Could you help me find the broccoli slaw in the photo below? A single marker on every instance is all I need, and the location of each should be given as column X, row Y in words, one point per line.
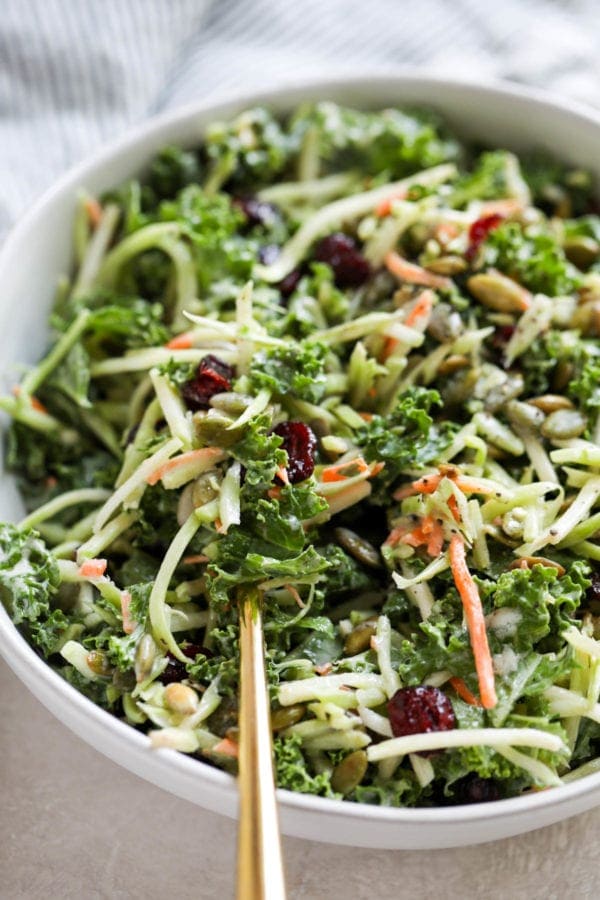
column 349, row 363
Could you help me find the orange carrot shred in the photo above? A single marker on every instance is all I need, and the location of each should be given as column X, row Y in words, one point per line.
column 180, row 342
column 194, row 558
column 343, row 471
column 94, row 211
column 473, row 609
column 384, row 207
column 463, row 691
column 129, row 625
column 421, row 310
column 92, row 568
column 453, row 507
column 324, row 668
column 412, row 273
column 227, row 747
column 282, row 474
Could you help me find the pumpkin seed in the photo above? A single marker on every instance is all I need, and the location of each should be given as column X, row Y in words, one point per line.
column 349, row 773
column 587, row 318
column 581, row 251
column 358, row 547
column 230, row 402
column 497, row 291
column 549, row 403
column 181, row 699
column 563, row 374
column 523, row 415
column 510, row 388
column 145, row 654
column 445, row 323
column 564, row 424
column 447, row 265
column 359, row 638
column 528, row 562
column 204, row 489
column 453, row 363
column 212, row 428
column 287, row 716
column 98, row 662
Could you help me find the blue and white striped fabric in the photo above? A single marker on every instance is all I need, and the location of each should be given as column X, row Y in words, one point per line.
column 74, row 74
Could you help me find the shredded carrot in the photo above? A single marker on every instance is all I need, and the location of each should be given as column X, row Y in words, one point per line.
column 274, row 493
column 389, row 346
column 372, row 392
column 282, row 474
column 367, row 416
column 384, row 207
column 51, row 481
column 33, row 401
column 473, row 609
column 129, row 625
column 421, row 311
column 324, row 668
column 427, row 484
column 293, row 591
column 453, row 507
column 445, row 232
column 219, row 526
column 463, row 691
column 94, row 211
column 376, row 468
column 395, row 535
column 429, row 533
column 227, row 747
column 508, row 207
column 92, row 568
column 180, row 342
column 343, row 471
column 406, row 271
column 208, row 454
column 195, row 558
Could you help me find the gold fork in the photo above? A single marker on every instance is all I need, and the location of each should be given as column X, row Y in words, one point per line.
column 260, row 865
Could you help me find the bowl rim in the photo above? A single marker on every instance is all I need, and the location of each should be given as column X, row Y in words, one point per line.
column 41, row 679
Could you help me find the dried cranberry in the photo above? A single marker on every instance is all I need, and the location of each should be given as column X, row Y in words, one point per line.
column 350, row 268
column 473, row 789
column 479, row 230
column 213, row 376
column 300, row 443
column 419, row 710
column 268, row 254
column 288, row 285
column 175, row 670
column 257, row 212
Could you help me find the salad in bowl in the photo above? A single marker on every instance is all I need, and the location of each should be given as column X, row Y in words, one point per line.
column 350, row 364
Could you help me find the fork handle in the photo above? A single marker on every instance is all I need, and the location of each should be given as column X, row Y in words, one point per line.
column 260, row 865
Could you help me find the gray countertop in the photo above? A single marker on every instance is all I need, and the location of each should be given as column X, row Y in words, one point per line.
column 73, row 825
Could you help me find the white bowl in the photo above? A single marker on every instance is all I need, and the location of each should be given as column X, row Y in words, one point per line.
column 39, row 250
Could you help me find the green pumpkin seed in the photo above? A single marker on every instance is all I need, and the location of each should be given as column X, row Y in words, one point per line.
column 447, row 265
column 287, row 716
column 564, row 424
column 498, row 292
column 550, row 403
column 359, row 638
column 582, row 251
column 358, row 547
column 98, row 662
column 349, row 773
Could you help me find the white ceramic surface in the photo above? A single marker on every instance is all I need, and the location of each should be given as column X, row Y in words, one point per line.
column 38, row 251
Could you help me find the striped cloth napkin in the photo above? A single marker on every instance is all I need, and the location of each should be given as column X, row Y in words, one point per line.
column 73, row 75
